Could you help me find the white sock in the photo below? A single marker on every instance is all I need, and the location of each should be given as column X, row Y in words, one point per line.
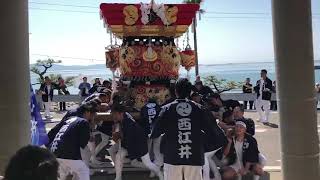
column 206, row 169
column 256, row 177
column 147, row 162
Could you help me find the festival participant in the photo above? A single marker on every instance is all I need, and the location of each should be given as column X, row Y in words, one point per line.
column 103, row 129
column 32, row 162
column 202, row 89
column 241, row 154
column 196, row 97
column 74, row 136
column 47, row 94
column 274, row 106
column 211, row 149
column 95, row 86
column 171, row 87
column 62, row 90
column 148, row 114
column 130, row 140
column 228, row 123
column 238, row 113
column 247, row 88
column 218, row 106
column 263, row 90
column 183, row 123
column 84, row 87
column 228, row 118
column 71, row 113
column 107, row 84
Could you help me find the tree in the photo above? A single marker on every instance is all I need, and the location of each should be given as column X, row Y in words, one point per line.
column 221, row 85
column 42, row 66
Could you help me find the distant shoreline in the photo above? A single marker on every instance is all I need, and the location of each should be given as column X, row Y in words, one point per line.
column 217, row 64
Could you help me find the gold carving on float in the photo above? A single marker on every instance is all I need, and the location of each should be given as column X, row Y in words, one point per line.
column 150, row 30
column 171, row 14
column 127, row 55
column 150, row 55
column 171, row 56
column 131, row 14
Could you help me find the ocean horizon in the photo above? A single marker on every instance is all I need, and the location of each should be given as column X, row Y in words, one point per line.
column 230, row 71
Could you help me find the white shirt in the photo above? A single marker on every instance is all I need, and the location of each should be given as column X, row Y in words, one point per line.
column 261, row 87
column 238, row 146
column 49, row 89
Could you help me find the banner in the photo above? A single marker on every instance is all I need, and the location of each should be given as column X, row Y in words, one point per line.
column 39, row 135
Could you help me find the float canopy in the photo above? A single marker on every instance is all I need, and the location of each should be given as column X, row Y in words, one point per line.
column 127, row 19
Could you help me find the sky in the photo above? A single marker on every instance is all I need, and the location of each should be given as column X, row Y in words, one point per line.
column 230, row 31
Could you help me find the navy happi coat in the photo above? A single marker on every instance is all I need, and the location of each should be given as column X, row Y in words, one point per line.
column 148, row 114
column 134, row 139
column 183, row 122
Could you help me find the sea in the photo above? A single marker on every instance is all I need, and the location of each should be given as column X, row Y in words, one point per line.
column 233, row 71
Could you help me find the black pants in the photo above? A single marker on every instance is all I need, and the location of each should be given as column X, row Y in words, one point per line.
column 273, row 105
column 62, row 106
column 245, row 103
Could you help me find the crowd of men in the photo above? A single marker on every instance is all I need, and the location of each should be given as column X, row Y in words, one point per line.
column 85, row 89
column 196, row 135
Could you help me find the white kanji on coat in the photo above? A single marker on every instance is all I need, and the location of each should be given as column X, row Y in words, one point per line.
column 184, row 137
column 185, row 151
column 184, row 124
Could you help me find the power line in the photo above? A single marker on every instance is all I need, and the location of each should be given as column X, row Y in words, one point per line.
column 66, row 5
column 217, row 12
column 243, row 17
column 64, row 57
column 245, row 13
column 236, row 17
column 95, row 7
column 61, row 10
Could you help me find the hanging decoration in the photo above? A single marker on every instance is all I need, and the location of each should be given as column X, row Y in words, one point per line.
column 112, row 58
column 112, row 54
column 188, row 56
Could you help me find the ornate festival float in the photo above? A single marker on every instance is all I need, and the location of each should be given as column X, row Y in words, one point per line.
column 149, row 57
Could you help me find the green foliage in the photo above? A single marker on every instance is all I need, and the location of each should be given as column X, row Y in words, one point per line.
column 221, row 85
column 41, row 67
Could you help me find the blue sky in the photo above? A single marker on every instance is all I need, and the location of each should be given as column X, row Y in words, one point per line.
column 79, row 38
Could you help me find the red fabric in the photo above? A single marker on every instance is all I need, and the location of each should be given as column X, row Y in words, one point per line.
column 113, row 14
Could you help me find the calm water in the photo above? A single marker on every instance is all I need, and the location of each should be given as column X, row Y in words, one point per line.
column 235, row 72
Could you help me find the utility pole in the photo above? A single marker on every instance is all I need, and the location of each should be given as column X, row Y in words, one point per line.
column 293, row 45
column 195, row 44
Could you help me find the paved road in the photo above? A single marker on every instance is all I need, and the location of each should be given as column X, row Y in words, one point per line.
column 269, row 139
